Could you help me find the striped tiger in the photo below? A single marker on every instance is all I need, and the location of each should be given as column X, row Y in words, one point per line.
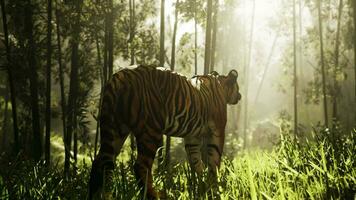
column 150, row 102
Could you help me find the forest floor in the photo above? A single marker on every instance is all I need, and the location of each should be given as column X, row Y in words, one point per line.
column 321, row 168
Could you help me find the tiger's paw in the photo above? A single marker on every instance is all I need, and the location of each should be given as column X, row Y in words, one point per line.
column 107, row 196
column 162, row 195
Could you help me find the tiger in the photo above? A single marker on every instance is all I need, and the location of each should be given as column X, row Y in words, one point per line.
column 150, row 102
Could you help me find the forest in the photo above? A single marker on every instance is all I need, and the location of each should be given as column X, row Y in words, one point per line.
column 291, row 136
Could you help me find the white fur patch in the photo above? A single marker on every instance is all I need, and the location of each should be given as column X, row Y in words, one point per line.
column 162, row 68
column 132, row 67
column 195, row 82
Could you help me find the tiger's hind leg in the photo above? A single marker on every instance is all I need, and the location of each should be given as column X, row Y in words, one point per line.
column 104, row 163
column 147, row 145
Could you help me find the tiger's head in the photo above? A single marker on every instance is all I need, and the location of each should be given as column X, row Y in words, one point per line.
column 230, row 86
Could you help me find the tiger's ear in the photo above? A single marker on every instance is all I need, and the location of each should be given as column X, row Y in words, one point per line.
column 232, row 76
column 214, row 73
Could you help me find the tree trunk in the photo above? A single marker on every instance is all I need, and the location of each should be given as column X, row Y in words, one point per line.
column 102, row 81
column 247, row 73
column 108, row 59
column 215, row 29
column 244, row 65
column 4, row 125
column 161, row 45
column 11, row 80
column 32, row 63
column 295, row 83
column 48, row 86
column 132, row 62
column 161, row 63
column 61, row 83
column 105, row 66
column 337, row 45
column 301, row 71
column 323, row 84
column 266, row 68
column 173, row 53
column 173, row 60
column 207, row 53
column 354, row 15
column 207, row 59
column 132, row 31
column 110, row 24
column 195, row 39
column 323, row 74
column 73, row 88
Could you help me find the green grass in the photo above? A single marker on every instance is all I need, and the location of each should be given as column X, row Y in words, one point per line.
column 319, row 168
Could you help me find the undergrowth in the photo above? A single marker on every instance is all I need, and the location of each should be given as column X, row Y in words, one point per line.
column 321, row 167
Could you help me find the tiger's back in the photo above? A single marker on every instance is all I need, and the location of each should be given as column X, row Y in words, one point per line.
column 149, row 98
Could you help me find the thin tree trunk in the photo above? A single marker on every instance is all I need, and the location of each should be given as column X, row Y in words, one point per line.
column 173, row 60
column 132, row 58
column 110, row 24
column 99, row 59
column 173, row 53
column 215, row 29
column 102, row 81
column 266, row 68
column 108, row 60
column 354, row 15
column 61, row 84
column 323, row 75
column 11, row 80
column 247, row 73
column 4, row 125
column 132, row 54
column 295, row 83
column 244, row 64
column 301, row 71
column 161, row 63
column 32, row 63
column 132, row 31
column 48, row 86
column 207, row 53
column 73, row 87
column 207, row 59
column 337, row 45
column 161, row 50
column 324, row 86
column 195, row 39
column 105, row 66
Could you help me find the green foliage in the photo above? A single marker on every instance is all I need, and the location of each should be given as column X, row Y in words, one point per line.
column 27, row 180
column 312, row 169
column 185, row 53
column 144, row 38
column 312, row 89
column 191, row 9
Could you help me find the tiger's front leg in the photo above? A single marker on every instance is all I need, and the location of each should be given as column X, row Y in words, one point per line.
column 192, row 147
column 215, row 149
column 215, row 145
column 147, row 145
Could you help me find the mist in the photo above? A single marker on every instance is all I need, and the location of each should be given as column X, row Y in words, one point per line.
column 81, row 104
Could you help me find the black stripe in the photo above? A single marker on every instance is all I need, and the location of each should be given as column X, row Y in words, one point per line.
column 215, row 147
column 107, row 133
column 142, row 148
column 195, row 162
column 191, row 145
column 107, row 148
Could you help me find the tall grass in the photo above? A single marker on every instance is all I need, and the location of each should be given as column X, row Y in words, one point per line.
column 320, row 167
